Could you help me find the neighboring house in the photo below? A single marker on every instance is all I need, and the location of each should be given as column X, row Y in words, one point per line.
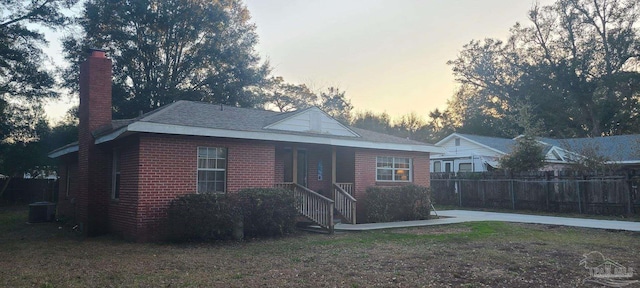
column 623, row 150
column 473, row 153
column 121, row 175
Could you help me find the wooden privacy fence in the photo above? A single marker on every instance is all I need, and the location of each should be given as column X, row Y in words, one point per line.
column 606, row 196
column 24, row 191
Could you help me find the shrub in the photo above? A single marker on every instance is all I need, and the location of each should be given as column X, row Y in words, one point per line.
column 267, row 211
column 401, row 203
column 202, row 217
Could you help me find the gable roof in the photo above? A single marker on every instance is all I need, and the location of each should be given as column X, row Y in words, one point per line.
column 312, row 120
column 204, row 119
column 500, row 145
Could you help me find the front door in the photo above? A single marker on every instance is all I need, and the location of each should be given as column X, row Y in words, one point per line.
column 448, row 166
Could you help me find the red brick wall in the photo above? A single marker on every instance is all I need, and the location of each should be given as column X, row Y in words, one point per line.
column 123, row 211
column 280, row 157
column 365, row 172
column 168, row 169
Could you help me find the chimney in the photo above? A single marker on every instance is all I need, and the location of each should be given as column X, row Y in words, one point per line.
column 93, row 162
column 95, row 90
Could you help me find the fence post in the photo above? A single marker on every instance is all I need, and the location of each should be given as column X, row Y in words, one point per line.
column 547, row 190
column 459, row 190
column 513, row 195
column 629, row 187
column 579, row 200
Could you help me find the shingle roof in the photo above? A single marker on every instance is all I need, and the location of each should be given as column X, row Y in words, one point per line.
column 501, row 144
column 190, row 114
column 614, row 148
column 206, row 115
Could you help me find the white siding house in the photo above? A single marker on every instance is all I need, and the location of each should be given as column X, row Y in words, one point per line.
column 469, row 153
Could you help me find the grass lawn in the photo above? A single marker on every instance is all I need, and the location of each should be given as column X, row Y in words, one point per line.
column 479, row 254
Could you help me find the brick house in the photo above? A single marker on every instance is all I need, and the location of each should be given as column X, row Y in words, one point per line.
column 121, row 175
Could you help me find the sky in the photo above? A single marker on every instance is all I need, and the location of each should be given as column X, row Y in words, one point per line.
column 387, row 55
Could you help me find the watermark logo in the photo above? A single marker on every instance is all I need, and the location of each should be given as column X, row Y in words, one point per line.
column 605, row 271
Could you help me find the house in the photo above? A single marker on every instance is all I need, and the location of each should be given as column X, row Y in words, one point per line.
column 474, row 153
column 121, row 175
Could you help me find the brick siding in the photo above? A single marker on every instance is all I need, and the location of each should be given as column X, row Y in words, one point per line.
column 168, row 169
column 365, row 172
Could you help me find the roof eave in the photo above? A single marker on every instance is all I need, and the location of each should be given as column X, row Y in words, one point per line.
column 63, row 151
column 472, row 141
column 148, row 127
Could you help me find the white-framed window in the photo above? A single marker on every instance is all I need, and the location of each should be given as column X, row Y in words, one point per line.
column 212, row 169
column 457, row 141
column 115, row 179
column 465, row 167
column 437, row 166
column 394, row 169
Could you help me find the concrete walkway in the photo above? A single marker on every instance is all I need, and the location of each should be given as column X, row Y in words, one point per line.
column 461, row 216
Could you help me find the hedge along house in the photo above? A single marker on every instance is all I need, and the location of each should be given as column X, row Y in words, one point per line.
column 121, row 175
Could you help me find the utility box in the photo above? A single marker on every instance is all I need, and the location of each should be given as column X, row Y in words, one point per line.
column 42, row 212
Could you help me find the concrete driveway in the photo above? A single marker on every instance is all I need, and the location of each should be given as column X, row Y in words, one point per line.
column 461, row 216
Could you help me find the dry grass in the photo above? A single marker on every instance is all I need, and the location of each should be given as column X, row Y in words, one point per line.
column 468, row 255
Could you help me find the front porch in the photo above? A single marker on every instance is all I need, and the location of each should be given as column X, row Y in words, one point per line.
column 322, row 179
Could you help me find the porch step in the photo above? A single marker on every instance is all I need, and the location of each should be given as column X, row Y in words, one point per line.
column 309, row 226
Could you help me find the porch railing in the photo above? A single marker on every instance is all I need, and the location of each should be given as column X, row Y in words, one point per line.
column 347, row 187
column 312, row 205
column 344, row 202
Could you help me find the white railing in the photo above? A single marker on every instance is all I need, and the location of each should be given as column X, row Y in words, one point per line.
column 344, row 202
column 347, row 187
column 312, row 205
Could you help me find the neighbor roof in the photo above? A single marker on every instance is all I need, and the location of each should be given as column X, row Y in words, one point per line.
column 618, row 148
column 501, row 144
column 204, row 119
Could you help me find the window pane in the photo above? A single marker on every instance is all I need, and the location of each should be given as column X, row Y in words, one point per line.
column 221, row 153
column 385, row 162
column 202, row 176
column 437, row 166
column 202, row 163
column 202, row 187
column 385, row 174
column 402, row 162
column 219, row 186
column 402, row 175
column 464, row 167
column 221, row 163
column 211, row 186
column 219, row 176
column 202, row 153
column 211, row 163
column 116, row 192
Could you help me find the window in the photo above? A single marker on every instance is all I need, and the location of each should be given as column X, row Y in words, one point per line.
column 437, row 166
column 393, row 169
column 115, row 182
column 212, row 168
column 67, row 182
column 457, row 141
column 464, row 167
